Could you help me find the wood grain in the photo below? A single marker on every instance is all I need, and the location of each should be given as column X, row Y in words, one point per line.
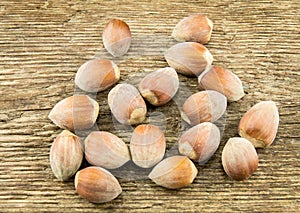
column 43, row 43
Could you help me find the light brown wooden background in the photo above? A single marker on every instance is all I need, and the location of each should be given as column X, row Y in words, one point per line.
column 42, row 44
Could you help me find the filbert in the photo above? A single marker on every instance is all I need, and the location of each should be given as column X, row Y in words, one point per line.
column 160, row 86
column 147, row 145
column 174, row 172
column 239, row 158
column 204, row 106
column 189, row 58
column 260, row 124
column 126, row 104
column 66, row 155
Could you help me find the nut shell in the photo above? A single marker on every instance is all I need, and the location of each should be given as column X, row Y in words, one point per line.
column 66, row 155
column 189, row 58
column 106, row 150
column 222, row 80
column 97, row 185
column 116, row 37
column 147, row 145
column 239, row 158
column 204, row 106
column 97, row 75
column 200, row 142
column 160, row 86
column 126, row 104
column 196, row 27
column 174, row 172
column 260, row 124
column 77, row 112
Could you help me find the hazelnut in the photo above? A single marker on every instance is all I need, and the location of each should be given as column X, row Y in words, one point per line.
column 147, row 145
column 196, row 27
column 204, row 106
column 65, row 155
column 222, row 80
column 260, row 124
column 116, row 37
column 239, row 158
column 189, row 58
column 97, row 185
column 126, row 104
column 97, row 75
column 106, row 150
column 160, row 86
column 200, row 142
column 174, row 172
column 77, row 112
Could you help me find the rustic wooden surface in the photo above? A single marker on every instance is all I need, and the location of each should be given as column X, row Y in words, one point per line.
column 42, row 44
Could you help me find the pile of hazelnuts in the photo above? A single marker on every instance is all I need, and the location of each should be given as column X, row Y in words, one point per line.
column 106, row 151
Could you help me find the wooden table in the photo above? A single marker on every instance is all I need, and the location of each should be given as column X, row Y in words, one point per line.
column 42, row 44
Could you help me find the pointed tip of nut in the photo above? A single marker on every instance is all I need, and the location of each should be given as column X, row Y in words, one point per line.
column 185, row 118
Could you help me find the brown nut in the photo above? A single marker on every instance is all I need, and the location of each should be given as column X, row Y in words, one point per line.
column 189, row 58
column 77, row 112
column 259, row 124
column 174, row 172
column 116, row 37
column 106, row 150
column 97, row 185
column 196, row 27
column 160, row 86
column 239, row 158
column 222, row 80
column 65, row 155
column 126, row 104
column 204, row 106
column 147, row 145
column 97, row 75
column 200, row 142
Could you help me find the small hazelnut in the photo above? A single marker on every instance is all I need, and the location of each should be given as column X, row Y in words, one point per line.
column 189, row 58
column 77, row 112
column 106, row 150
column 196, row 27
column 260, row 124
column 66, row 155
column 160, row 86
column 174, row 172
column 200, row 142
column 97, row 75
column 116, row 37
column 127, row 105
column 147, row 145
column 224, row 81
column 204, row 106
column 239, row 158
column 97, row 185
